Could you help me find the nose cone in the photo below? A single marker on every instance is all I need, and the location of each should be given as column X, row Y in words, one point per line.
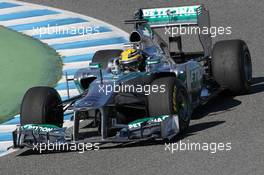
column 93, row 100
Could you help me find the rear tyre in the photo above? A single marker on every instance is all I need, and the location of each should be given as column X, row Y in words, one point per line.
column 231, row 66
column 174, row 100
column 41, row 105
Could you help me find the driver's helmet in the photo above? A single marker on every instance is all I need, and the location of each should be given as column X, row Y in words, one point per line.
column 131, row 59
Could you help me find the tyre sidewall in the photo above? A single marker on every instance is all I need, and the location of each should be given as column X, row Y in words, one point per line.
column 164, row 104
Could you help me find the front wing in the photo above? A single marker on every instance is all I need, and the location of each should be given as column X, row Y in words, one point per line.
column 160, row 127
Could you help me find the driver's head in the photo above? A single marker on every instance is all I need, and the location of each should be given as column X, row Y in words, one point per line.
column 132, row 60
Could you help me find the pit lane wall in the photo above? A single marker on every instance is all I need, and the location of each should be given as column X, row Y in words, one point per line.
column 74, row 36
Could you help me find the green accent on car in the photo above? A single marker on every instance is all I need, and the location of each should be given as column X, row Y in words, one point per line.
column 171, row 15
column 24, row 62
column 152, row 61
column 155, row 119
column 182, row 76
column 95, row 65
column 40, row 127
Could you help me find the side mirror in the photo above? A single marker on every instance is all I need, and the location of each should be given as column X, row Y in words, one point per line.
column 153, row 61
column 95, row 65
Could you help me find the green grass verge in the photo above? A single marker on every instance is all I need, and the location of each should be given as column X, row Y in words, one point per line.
column 24, row 62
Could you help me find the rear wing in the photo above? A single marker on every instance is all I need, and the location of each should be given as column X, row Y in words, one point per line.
column 171, row 16
column 196, row 15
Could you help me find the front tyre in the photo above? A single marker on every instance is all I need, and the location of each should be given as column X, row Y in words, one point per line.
column 174, row 100
column 41, row 105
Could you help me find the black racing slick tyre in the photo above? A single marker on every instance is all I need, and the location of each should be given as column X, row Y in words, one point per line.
column 174, row 100
column 231, row 66
column 41, row 105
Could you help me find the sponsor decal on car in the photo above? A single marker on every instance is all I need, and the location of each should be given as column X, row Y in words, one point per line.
column 42, row 128
column 149, row 120
column 157, row 16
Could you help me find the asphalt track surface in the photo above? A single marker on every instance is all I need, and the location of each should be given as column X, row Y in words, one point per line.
column 238, row 120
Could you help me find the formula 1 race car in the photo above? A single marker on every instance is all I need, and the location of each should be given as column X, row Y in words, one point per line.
column 145, row 91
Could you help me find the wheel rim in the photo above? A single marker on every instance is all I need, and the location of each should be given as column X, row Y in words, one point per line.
column 248, row 67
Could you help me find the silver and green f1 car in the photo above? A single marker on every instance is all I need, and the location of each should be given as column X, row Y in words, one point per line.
column 145, row 91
